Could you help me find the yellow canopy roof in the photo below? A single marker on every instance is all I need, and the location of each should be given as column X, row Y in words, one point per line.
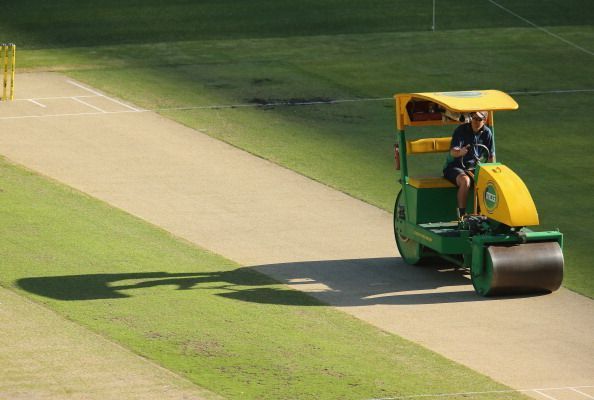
column 465, row 101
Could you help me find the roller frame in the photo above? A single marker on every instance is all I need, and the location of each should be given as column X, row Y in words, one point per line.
column 472, row 246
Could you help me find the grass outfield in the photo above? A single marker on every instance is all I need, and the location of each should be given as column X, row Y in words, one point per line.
column 66, row 23
column 227, row 328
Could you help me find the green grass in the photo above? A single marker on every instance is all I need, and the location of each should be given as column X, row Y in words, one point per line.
column 227, row 328
column 64, row 23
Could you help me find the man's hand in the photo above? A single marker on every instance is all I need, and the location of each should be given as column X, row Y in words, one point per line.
column 460, row 151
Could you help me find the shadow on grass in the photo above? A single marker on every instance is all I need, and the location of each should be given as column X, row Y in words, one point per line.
column 342, row 283
column 121, row 285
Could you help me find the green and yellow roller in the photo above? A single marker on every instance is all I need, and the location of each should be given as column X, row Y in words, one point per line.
column 494, row 238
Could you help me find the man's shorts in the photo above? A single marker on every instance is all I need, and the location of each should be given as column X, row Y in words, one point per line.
column 452, row 173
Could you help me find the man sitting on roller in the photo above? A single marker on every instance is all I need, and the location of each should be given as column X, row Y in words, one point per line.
column 464, row 153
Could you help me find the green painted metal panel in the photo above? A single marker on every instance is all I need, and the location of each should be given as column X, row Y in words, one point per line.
column 440, row 243
column 431, row 204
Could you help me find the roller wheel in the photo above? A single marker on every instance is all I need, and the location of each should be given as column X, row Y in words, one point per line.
column 520, row 268
column 410, row 250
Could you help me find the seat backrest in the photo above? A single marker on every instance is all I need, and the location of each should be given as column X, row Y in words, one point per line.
column 428, row 145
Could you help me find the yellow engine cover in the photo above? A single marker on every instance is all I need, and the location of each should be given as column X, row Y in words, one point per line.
column 504, row 197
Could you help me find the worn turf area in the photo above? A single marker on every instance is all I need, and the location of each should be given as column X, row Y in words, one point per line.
column 226, row 328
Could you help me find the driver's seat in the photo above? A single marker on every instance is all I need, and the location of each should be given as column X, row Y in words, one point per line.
column 429, row 145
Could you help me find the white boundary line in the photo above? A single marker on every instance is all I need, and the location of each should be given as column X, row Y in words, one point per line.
column 554, row 91
column 542, row 29
column 292, row 103
column 227, row 106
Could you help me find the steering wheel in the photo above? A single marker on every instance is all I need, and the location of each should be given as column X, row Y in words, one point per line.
column 483, row 156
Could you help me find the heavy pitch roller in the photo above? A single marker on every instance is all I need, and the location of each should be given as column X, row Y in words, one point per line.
column 521, row 268
column 493, row 240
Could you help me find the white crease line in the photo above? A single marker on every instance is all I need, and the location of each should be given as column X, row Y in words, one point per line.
column 582, row 393
column 57, row 97
column 37, row 103
column 68, row 114
column 416, row 396
column 542, row 29
column 85, row 88
column 88, row 104
column 544, row 395
column 123, row 104
column 102, row 95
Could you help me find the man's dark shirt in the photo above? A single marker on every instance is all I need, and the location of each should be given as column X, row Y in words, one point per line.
column 463, row 135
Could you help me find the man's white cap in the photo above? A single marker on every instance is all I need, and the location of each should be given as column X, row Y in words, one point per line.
column 482, row 114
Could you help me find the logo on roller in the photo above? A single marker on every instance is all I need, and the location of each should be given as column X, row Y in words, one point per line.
column 491, row 197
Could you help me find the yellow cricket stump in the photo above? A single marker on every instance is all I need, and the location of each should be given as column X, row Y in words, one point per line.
column 8, row 60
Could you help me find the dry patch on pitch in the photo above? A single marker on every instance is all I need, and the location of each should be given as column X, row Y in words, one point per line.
column 303, row 233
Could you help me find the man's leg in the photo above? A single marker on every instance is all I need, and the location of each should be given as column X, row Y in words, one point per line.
column 463, row 183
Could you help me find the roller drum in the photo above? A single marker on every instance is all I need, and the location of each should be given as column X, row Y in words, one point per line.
column 524, row 268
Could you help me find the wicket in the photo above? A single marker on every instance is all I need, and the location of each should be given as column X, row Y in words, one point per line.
column 8, row 60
